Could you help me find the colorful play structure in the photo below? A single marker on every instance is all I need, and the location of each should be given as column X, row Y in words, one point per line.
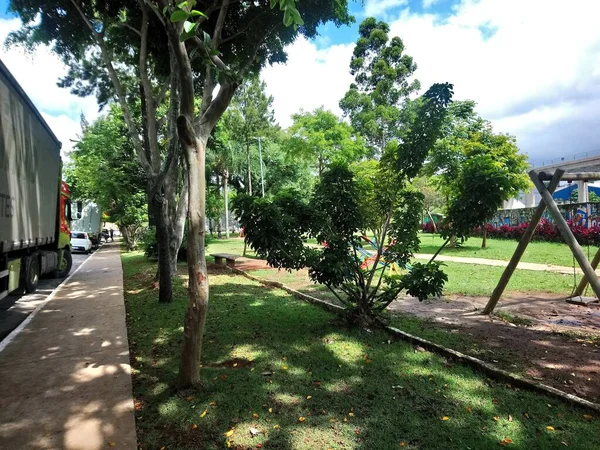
column 368, row 258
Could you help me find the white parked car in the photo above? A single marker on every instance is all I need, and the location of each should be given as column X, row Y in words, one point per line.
column 80, row 242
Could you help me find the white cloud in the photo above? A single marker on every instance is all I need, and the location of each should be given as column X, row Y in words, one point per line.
column 376, row 8
column 38, row 73
column 311, row 78
column 533, row 67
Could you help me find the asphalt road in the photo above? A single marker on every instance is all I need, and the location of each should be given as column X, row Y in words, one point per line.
column 14, row 309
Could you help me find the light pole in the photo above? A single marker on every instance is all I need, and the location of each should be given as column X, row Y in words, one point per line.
column 262, row 175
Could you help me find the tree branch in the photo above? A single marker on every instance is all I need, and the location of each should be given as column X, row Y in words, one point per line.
column 150, row 112
column 217, row 35
column 129, row 27
column 112, row 73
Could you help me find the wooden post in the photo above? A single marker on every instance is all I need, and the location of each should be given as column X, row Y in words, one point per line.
column 562, row 225
column 523, row 243
column 584, row 282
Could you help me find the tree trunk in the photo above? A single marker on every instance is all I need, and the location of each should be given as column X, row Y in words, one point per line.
column 177, row 226
column 165, row 293
column 484, row 240
column 226, row 199
column 195, row 316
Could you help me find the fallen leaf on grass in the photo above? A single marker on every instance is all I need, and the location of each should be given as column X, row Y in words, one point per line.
column 496, row 418
column 228, row 442
column 564, row 443
column 204, row 413
column 255, row 415
column 445, row 418
column 549, row 428
column 212, row 404
column 469, row 410
column 588, row 416
column 258, row 445
column 112, row 444
column 254, row 431
column 504, row 442
column 190, row 398
column 308, row 397
column 351, row 414
column 267, row 373
column 223, row 377
column 228, row 433
column 510, row 418
column 283, row 367
column 276, row 427
column 301, row 419
column 194, row 426
column 402, row 444
column 270, row 410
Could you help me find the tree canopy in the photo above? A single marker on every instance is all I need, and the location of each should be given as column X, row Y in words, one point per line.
column 320, row 138
column 375, row 102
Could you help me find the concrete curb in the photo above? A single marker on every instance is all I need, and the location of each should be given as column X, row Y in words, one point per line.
column 471, row 361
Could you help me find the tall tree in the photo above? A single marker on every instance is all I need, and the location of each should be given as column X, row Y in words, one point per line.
column 238, row 39
column 320, row 137
column 382, row 85
column 250, row 117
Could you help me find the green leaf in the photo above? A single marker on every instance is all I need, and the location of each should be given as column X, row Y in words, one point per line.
column 165, row 9
column 179, row 15
column 189, row 27
column 274, row 3
column 287, row 18
column 207, row 41
column 195, row 12
column 182, row 5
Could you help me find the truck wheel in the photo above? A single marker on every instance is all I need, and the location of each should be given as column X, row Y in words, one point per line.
column 32, row 274
column 64, row 266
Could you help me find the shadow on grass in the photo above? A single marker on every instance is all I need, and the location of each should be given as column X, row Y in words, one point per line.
column 315, row 384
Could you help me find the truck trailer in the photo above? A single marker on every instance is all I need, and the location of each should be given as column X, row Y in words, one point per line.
column 90, row 222
column 35, row 205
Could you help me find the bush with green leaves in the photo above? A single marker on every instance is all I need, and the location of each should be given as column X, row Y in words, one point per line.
column 378, row 200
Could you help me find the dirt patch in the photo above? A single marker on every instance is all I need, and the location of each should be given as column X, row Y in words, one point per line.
column 560, row 348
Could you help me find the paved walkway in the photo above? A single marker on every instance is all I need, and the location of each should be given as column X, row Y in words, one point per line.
column 65, row 380
column 500, row 263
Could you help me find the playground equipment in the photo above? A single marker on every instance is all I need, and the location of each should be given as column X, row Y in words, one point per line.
column 368, row 258
column 547, row 201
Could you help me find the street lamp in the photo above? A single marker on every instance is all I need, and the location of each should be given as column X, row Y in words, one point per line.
column 262, row 175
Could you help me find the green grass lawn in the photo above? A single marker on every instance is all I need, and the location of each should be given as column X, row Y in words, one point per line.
column 554, row 253
column 463, row 279
column 537, row 252
column 312, row 383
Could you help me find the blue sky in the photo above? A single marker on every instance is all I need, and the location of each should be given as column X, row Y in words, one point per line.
column 533, row 67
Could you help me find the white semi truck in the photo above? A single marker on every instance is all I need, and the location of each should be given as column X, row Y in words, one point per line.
column 35, row 205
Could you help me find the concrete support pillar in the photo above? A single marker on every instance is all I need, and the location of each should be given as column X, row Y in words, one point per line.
column 529, row 199
column 582, row 192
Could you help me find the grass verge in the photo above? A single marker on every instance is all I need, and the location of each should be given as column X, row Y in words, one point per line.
column 293, row 373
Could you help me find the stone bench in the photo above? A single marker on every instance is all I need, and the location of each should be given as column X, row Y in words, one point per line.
column 229, row 258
